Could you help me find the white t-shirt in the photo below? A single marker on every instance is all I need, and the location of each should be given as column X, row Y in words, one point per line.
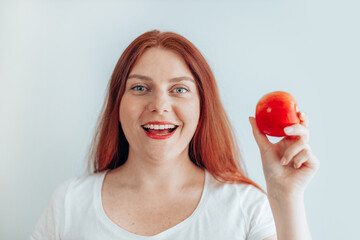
column 225, row 211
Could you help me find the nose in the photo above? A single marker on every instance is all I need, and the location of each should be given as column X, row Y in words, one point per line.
column 160, row 102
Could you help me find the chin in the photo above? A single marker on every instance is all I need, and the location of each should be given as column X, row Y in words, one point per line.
column 162, row 154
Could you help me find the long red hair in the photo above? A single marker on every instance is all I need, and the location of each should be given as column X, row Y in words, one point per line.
column 213, row 146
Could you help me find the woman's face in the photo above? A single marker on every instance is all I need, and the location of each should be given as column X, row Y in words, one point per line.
column 160, row 91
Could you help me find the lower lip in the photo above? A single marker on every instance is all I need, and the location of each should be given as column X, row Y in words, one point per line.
column 160, row 137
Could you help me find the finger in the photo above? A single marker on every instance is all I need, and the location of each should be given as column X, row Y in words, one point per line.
column 304, row 119
column 292, row 151
column 302, row 157
column 260, row 138
column 313, row 162
column 298, row 130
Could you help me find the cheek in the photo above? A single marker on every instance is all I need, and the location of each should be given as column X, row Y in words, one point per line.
column 129, row 111
column 190, row 113
column 195, row 108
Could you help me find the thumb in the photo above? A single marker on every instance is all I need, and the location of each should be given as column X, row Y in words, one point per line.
column 260, row 138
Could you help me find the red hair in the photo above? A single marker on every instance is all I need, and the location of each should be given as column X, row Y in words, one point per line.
column 213, row 146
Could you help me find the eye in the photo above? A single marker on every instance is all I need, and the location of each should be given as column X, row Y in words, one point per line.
column 180, row 90
column 139, row 88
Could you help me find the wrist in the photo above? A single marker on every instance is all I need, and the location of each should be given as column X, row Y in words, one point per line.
column 290, row 217
column 280, row 196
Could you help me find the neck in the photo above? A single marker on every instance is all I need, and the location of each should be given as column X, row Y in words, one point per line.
column 166, row 174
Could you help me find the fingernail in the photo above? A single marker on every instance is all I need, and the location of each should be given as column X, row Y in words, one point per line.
column 289, row 130
column 283, row 161
column 302, row 114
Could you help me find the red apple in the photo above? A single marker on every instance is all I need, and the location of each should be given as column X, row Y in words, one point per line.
column 275, row 111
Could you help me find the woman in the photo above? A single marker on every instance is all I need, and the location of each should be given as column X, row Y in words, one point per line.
column 166, row 163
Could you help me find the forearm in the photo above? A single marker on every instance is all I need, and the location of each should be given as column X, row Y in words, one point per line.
column 290, row 218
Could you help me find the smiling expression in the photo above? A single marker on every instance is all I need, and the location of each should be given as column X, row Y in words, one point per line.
column 161, row 96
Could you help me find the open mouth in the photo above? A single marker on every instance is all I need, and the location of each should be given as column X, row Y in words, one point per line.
column 160, row 132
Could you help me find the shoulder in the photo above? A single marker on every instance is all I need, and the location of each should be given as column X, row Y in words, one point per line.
column 76, row 196
column 76, row 186
column 67, row 198
column 85, row 182
column 246, row 197
column 243, row 204
column 84, row 186
column 240, row 191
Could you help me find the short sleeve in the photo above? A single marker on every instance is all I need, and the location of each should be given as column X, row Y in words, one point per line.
column 260, row 217
column 51, row 221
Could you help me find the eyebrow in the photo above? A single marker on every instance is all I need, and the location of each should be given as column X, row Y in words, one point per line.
column 176, row 79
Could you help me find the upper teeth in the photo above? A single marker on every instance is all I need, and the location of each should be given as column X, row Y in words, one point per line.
column 159, row 126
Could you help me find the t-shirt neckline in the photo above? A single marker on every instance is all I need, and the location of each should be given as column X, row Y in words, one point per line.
column 122, row 232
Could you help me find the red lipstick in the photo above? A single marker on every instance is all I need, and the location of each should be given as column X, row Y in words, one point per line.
column 158, row 136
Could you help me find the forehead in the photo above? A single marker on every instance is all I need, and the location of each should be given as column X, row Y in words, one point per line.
column 159, row 62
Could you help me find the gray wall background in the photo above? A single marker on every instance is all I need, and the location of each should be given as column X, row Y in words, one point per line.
column 56, row 58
